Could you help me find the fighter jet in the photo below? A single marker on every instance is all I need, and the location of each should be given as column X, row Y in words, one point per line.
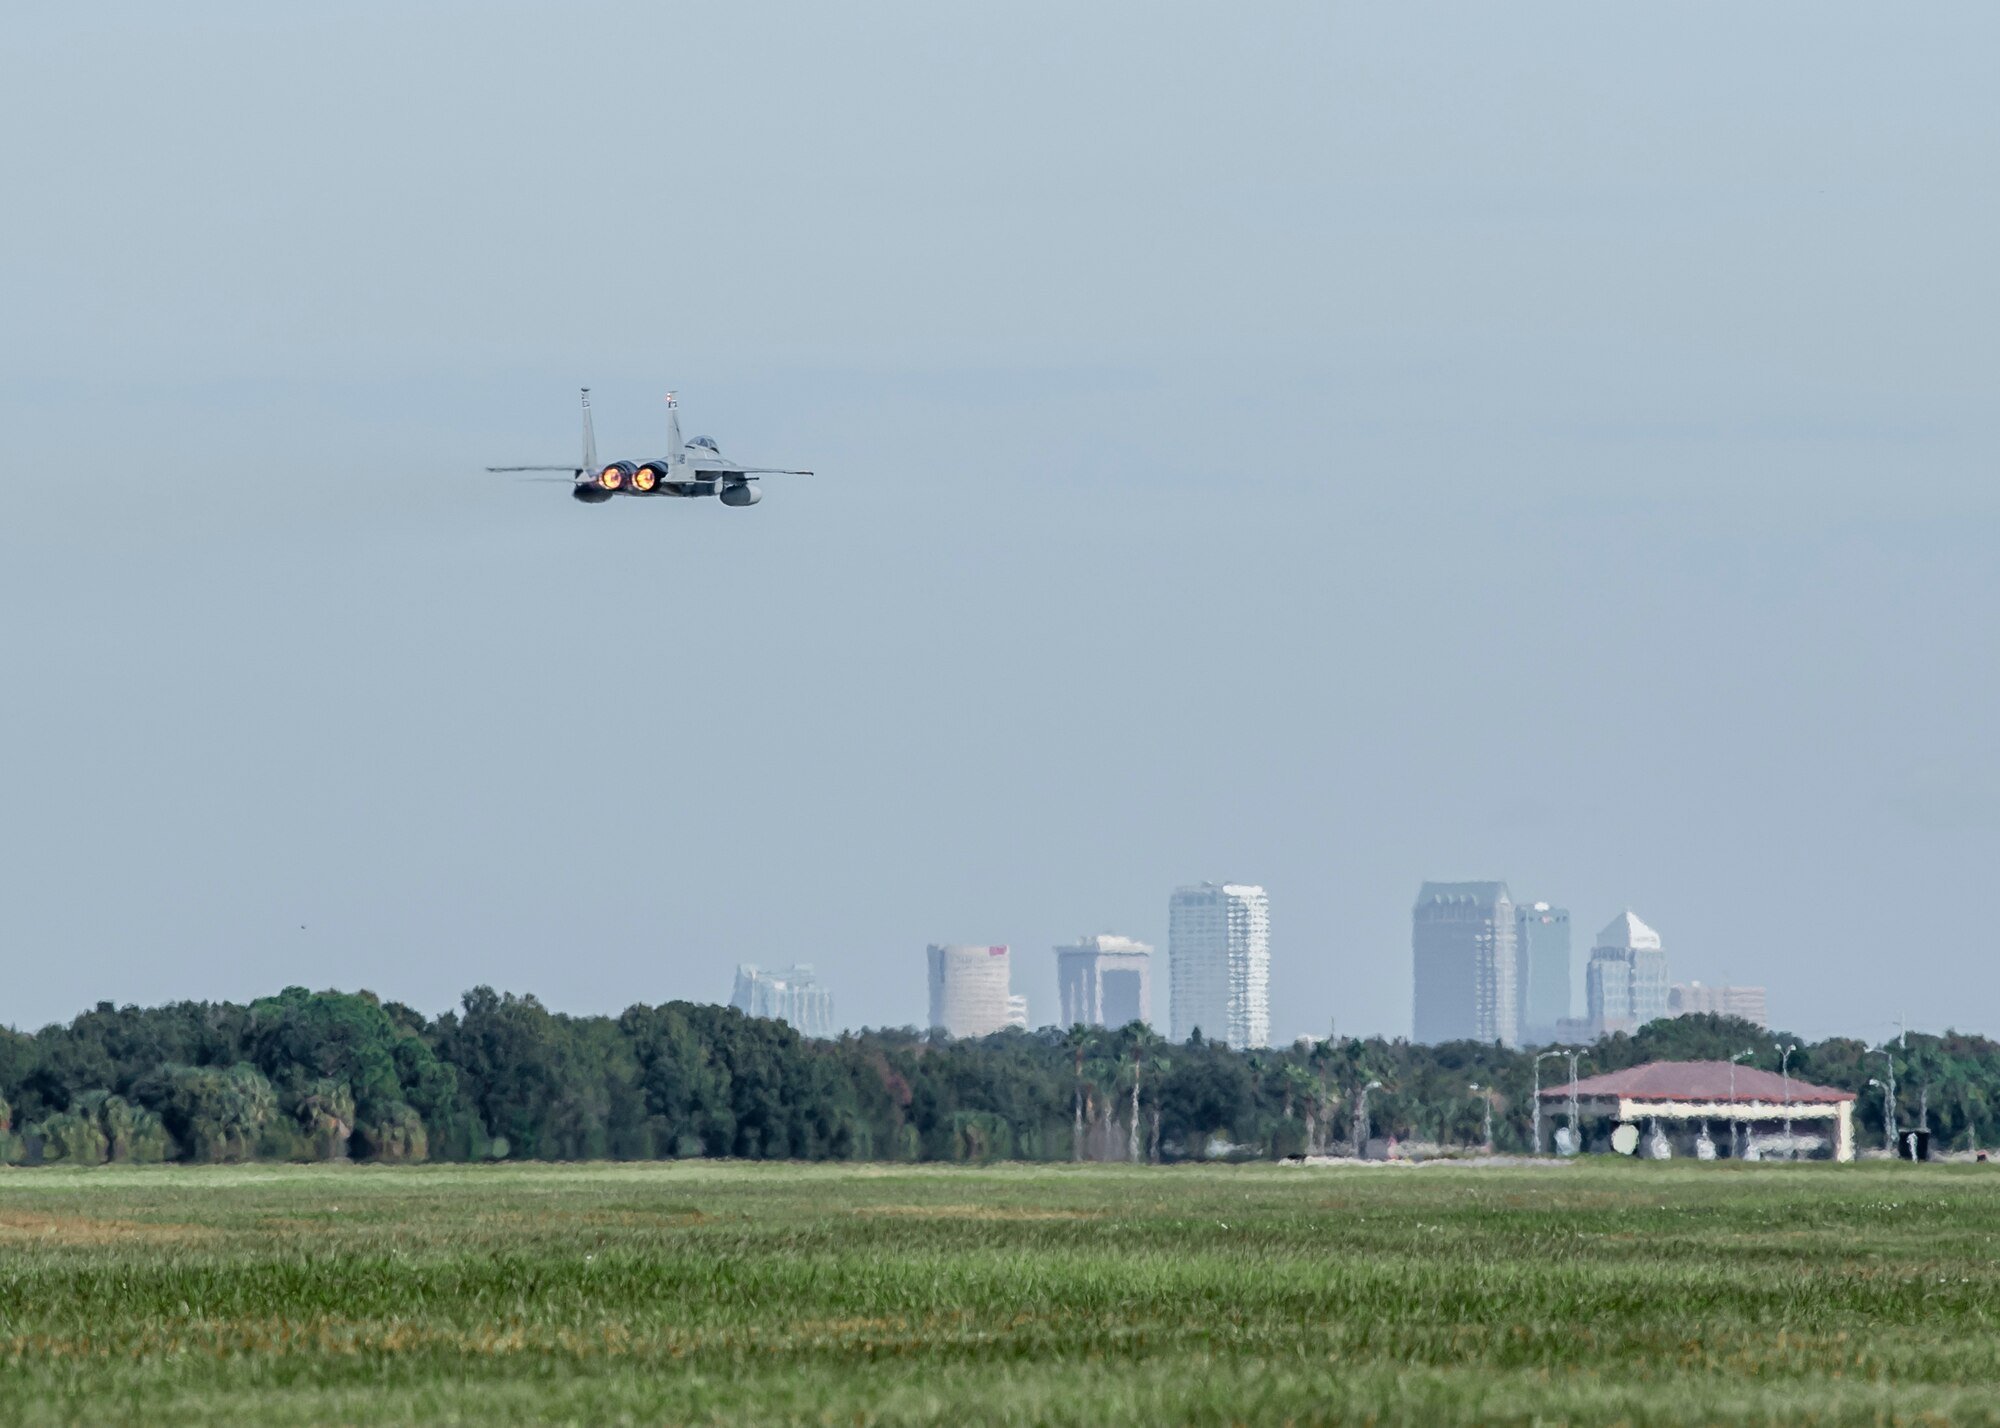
column 693, row 468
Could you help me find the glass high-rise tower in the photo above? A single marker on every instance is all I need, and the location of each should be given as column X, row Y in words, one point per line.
column 1462, row 945
column 1627, row 976
column 1541, row 970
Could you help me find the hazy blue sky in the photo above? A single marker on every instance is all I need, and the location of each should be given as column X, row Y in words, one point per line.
column 1331, row 446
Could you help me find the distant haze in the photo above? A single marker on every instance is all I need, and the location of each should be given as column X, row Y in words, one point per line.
column 1324, row 446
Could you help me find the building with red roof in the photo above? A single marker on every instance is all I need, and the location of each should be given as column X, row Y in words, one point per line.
column 1683, row 1099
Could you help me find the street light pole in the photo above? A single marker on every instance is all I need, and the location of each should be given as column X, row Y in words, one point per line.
column 1361, row 1120
column 1536, row 1146
column 1575, row 1134
column 1735, row 1121
column 1785, row 1070
column 1888, row 1098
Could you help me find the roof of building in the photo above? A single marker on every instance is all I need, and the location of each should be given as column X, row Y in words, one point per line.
column 1105, row 944
column 1627, row 931
column 1479, row 894
column 1697, row 1081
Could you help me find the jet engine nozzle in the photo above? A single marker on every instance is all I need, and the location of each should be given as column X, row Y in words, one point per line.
column 649, row 475
column 617, row 475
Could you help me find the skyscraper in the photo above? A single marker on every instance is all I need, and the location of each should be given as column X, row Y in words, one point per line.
column 1462, row 941
column 970, row 994
column 1607, row 992
column 1105, row 981
column 789, row 994
column 1219, row 963
column 1626, row 980
column 1541, row 970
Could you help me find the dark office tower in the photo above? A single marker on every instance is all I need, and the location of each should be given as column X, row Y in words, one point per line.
column 1462, row 937
column 1541, row 971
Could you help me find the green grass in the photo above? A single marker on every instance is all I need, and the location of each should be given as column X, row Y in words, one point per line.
column 759, row 1294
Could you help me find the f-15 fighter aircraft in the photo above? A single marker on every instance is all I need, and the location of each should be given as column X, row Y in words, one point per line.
column 693, row 468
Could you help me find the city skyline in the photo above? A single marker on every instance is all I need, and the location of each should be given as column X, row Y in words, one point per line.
column 1636, row 529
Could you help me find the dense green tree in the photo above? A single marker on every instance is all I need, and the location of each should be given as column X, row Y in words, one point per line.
column 318, row 1075
column 132, row 1134
column 72, row 1138
column 215, row 1113
column 325, row 1111
column 1209, row 1093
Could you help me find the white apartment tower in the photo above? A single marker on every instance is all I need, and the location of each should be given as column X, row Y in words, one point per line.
column 1219, row 963
column 970, row 990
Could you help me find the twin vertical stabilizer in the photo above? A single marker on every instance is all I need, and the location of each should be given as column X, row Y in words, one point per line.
column 675, row 451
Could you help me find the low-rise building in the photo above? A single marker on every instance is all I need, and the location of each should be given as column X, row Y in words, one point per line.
column 1708, row 1109
column 1694, row 999
column 788, row 994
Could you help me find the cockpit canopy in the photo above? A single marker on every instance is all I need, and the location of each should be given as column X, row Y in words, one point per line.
column 706, row 443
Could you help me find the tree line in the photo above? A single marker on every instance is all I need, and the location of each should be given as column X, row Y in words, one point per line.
column 306, row 1076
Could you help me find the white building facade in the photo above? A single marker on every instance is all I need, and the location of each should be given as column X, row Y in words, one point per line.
column 1219, row 963
column 1696, row 999
column 971, row 990
column 787, row 994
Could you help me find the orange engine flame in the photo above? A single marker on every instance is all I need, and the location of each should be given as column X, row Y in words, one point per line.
column 611, row 478
column 645, row 478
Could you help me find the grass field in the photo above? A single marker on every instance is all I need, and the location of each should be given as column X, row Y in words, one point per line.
column 760, row 1294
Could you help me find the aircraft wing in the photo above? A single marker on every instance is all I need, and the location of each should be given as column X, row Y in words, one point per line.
column 723, row 466
column 573, row 470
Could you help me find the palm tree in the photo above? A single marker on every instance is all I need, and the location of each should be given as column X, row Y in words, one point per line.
column 1157, row 1066
column 1103, row 1078
column 1078, row 1039
column 1141, row 1045
column 1302, row 1086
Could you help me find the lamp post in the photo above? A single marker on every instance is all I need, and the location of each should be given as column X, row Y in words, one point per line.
column 1361, row 1120
column 1888, row 1097
column 1575, row 1134
column 1785, row 1070
column 1488, row 1099
column 1887, row 1110
column 1536, row 1147
column 1735, row 1121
